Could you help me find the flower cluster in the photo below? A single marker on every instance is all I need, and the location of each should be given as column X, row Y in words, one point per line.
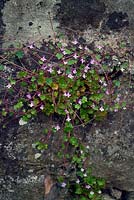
column 72, row 81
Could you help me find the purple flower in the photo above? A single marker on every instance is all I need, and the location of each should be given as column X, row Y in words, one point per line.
column 66, row 111
column 64, row 52
column 43, row 59
column 41, row 107
column 57, row 127
column 82, row 60
column 87, row 186
column 28, row 96
column 107, row 92
column 50, row 70
column 86, row 48
column 84, row 75
column 59, row 71
column 86, row 69
column 79, row 102
column 68, row 119
column 31, row 104
column 75, row 42
column 65, row 62
column 63, row 185
column 92, row 61
column 75, row 56
column 74, row 71
column 9, row 85
column 70, row 76
column 101, row 109
column 78, row 181
column 99, row 47
column 31, row 46
column 39, row 94
column 44, row 67
column 80, row 47
column 67, row 94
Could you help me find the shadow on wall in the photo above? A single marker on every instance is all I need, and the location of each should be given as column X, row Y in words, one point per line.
column 77, row 14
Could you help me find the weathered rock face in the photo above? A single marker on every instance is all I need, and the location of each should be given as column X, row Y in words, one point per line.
column 30, row 21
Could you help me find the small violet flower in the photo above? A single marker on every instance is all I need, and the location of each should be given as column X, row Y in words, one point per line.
column 66, row 111
column 67, row 94
column 63, row 185
column 57, row 127
column 74, row 71
column 44, row 67
column 68, row 119
column 92, row 62
column 75, row 42
column 9, row 86
column 65, row 62
column 99, row 47
column 101, row 109
column 86, row 48
column 75, row 56
column 30, row 46
column 79, row 102
column 50, row 70
column 78, row 181
column 43, row 59
column 28, row 96
column 31, row 104
column 87, row 186
column 80, row 47
column 64, row 52
column 84, row 75
column 70, row 76
column 82, row 60
column 86, row 69
column 59, row 71
column 41, row 107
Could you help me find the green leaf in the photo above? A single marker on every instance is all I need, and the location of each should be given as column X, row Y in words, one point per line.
column 18, row 105
column 59, row 56
column 1, row 67
column 49, row 81
column 72, row 62
column 13, row 82
column 68, row 51
column 68, row 127
column 98, row 57
column 78, row 190
column 74, row 141
column 101, row 182
column 116, row 83
column 83, row 198
column 19, row 54
column 33, row 112
column 22, row 74
column 4, row 113
column 33, row 79
column 77, row 106
column 62, row 83
column 84, row 99
column 42, row 97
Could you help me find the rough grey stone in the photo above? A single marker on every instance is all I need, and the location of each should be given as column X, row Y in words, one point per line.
column 116, row 193
column 28, row 20
column 107, row 197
